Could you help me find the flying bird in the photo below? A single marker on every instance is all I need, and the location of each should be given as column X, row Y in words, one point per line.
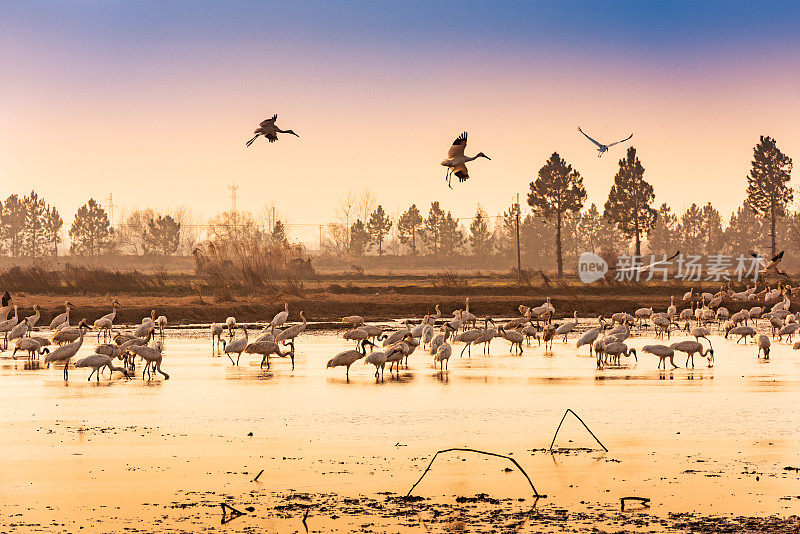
column 270, row 130
column 456, row 160
column 772, row 266
column 601, row 148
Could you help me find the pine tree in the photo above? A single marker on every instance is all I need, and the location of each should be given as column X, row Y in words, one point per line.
column 52, row 226
column 91, row 232
column 278, row 235
column 35, row 242
column 664, row 238
column 378, row 226
column 480, row 238
column 163, row 235
column 713, row 239
column 508, row 244
column 535, row 241
column 12, row 225
column 590, row 227
column 452, row 238
column 745, row 232
column 359, row 238
column 768, row 192
column 557, row 190
column 628, row 204
column 408, row 226
column 692, row 233
column 432, row 232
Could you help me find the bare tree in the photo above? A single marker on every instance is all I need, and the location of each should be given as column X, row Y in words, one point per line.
column 365, row 205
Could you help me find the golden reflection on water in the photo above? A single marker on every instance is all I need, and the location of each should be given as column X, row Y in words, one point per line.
column 689, row 439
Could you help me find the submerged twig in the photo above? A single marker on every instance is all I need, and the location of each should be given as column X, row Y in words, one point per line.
column 512, row 460
column 258, row 475
column 644, row 500
column 569, row 410
column 305, row 516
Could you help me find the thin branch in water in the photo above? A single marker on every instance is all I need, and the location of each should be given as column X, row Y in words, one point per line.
column 461, row 449
column 233, row 515
column 569, row 410
column 258, row 475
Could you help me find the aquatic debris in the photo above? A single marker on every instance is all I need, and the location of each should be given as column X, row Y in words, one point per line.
column 645, row 501
column 233, row 515
column 476, row 451
column 305, row 516
column 569, row 410
column 258, row 475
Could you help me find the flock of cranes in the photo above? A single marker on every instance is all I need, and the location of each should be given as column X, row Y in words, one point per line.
column 67, row 340
column 267, row 343
column 434, row 334
column 456, row 161
column 606, row 341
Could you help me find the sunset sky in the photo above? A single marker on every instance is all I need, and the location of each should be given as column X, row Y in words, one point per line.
column 154, row 102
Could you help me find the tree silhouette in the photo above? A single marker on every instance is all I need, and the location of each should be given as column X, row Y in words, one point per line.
column 12, row 225
column 378, row 226
column 628, row 204
column 52, row 226
column 452, row 238
column 509, row 230
column 745, row 232
column 480, row 238
column 408, row 225
column 432, row 233
column 691, row 230
column 665, row 235
column 713, row 238
column 234, row 228
column 768, row 193
column 278, row 235
column 34, row 240
column 359, row 238
column 90, row 232
column 132, row 233
column 163, row 234
column 557, row 190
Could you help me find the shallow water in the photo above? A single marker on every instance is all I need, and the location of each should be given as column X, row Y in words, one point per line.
column 690, row 439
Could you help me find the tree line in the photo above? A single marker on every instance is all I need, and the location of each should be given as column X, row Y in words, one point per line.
column 560, row 227
column 557, row 228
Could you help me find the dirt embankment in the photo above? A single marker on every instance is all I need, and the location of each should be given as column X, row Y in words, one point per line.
column 371, row 303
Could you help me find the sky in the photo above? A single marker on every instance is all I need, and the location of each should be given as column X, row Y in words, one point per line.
column 154, row 101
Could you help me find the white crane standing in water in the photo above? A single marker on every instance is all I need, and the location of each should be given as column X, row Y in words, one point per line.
column 270, row 130
column 65, row 352
column 456, row 160
column 601, row 148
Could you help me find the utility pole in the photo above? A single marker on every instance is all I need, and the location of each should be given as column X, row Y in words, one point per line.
column 110, row 205
column 519, row 259
column 233, row 188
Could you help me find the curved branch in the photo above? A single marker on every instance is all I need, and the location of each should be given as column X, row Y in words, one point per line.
column 461, row 449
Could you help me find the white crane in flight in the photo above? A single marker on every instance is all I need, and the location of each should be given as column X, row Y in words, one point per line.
column 456, row 160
